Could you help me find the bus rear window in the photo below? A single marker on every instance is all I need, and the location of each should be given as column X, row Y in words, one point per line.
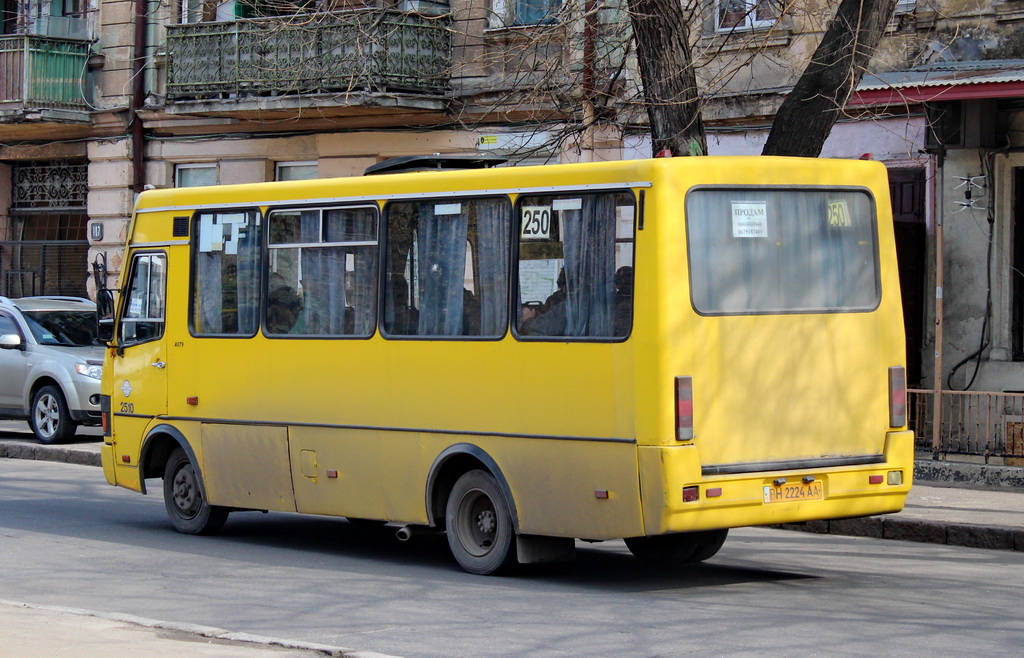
column 759, row 251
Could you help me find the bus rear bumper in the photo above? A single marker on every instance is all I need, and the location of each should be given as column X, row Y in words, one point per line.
column 678, row 498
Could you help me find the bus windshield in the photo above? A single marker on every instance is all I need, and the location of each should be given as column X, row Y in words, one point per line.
column 759, row 250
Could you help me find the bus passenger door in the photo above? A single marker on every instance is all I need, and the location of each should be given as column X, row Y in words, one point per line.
column 139, row 392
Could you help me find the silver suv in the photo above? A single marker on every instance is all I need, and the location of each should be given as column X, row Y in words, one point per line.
column 50, row 364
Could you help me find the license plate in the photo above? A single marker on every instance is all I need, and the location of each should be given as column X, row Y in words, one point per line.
column 792, row 493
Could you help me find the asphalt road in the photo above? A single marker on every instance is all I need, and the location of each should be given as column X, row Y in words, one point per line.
column 69, row 539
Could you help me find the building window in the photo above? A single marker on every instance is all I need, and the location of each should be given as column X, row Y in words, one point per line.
column 195, row 175
column 525, row 12
column 295, row 171
column 734, row 15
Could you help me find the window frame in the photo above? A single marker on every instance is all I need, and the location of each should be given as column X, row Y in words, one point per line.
column 178, row 168
column 194, row 268
column 849, row 189
column 269, row 247
column 514, row 288
column 750, row 21
column 123, row 318
column 458, row 196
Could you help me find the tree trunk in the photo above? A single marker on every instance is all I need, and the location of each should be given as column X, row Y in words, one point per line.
column 669, row 81
column 806, row 117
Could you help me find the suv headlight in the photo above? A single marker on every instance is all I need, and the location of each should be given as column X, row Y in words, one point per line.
column 96, row 372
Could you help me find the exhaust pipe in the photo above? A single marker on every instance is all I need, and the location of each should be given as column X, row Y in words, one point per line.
column 406, row 532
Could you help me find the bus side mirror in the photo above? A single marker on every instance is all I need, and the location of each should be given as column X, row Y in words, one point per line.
column 105, row 315
column 105, row 331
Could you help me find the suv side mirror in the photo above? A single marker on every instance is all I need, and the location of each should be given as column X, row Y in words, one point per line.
column 11, row 342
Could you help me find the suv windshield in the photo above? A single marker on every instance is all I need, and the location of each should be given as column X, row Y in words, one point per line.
column 67, row 328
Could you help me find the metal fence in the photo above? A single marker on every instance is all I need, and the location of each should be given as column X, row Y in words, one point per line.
column 42, row 72
column 986, row 424
column 323, row 52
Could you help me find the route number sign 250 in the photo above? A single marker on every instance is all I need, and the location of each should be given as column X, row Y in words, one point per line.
column 535, row 223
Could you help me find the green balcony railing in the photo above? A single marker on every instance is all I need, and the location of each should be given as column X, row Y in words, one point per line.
column 42, row 73
column 360, row 50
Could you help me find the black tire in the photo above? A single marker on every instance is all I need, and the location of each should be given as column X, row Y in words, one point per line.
column 676, row 548
column 185, row 501
column 50, row 418
column 480, row 532
column 709, row 543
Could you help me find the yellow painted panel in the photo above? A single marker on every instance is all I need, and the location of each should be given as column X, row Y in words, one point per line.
column 247, row 466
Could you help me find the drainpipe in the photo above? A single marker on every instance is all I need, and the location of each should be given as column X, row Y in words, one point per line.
column 138, row 98
column 939, row 277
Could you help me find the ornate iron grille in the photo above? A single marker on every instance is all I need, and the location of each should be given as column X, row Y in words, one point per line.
column 339, row 52
column 43, row 244
column 53, row 187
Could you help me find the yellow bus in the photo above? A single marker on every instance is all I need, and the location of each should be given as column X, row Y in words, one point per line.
column 654, row 350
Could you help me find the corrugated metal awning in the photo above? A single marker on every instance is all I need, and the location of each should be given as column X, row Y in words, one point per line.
column 945, row 81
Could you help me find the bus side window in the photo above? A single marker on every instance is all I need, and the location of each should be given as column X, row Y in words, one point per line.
column 576, row 265
column 323, row 272
column 143, row 316
column 226, row 273
column 447, row 267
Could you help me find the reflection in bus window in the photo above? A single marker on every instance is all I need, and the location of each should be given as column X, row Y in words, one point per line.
column 778, row 251
column 576, row 265
column 447, row 267
column 225, row 295
column 323, row 272
column 143, row 317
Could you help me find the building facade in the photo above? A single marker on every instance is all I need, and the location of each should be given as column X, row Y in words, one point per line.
column 102, row 98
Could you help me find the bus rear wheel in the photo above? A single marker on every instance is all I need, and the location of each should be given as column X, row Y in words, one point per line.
column 184, row 500
column 479, row 525
column 682, row 547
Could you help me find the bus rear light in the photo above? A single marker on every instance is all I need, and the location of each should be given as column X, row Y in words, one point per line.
column 897, row 396
column 127, row 459
column 875, row 479
column 715, row 492
column 895, row 478
column 684, row 408
column 691, row 494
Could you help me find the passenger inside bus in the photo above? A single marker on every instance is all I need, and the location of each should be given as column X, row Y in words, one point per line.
column 284, row 306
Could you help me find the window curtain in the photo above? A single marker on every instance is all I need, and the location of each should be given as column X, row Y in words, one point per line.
column 442, row 249
column 493, row 220
column 588, row 236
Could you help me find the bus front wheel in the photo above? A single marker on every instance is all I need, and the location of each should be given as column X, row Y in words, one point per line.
column 682, row 547
column 183, row 497
column 479, row 525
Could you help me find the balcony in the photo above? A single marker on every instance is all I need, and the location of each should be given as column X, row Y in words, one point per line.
column 338, row 63
column 42, row 78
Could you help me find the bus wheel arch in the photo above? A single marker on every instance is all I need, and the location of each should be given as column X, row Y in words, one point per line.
column 454, row 462
column 166, row 453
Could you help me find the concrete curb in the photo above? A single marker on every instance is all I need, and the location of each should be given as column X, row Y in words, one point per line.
column 930, row 532
column 40, row 452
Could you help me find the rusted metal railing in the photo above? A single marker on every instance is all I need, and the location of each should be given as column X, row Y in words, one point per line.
column 986, row 424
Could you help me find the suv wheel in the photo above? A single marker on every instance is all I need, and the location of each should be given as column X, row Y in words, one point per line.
column 51, row 420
